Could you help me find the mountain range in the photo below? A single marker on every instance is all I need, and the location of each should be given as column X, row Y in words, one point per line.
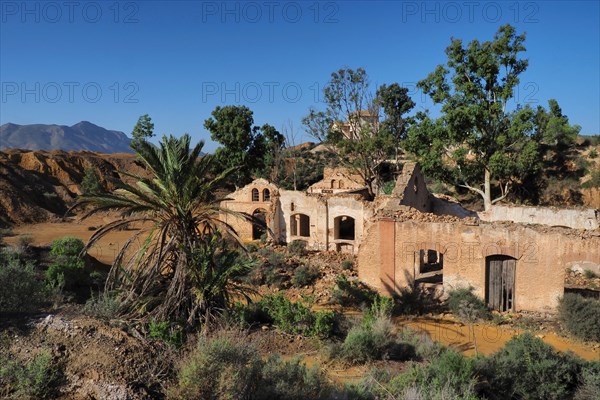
column 81, row 136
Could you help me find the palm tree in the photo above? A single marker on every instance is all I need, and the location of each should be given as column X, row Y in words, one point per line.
column 177, row 266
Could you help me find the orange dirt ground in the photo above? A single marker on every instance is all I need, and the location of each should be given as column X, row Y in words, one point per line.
column 490, row 338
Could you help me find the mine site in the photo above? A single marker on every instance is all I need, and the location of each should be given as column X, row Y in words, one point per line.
column 300, row 200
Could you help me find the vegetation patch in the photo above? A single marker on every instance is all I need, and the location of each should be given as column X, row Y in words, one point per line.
column 581, row 316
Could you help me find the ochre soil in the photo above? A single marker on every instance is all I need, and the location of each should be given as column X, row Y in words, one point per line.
column 490, row 338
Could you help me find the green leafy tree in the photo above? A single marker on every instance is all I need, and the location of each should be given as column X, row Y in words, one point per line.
column 482, row 146
column 177, row 265
column 351, row 124
column 91, row 182
column 242, row 144
column 272, row 146
column 556, row 136
column 143, row 130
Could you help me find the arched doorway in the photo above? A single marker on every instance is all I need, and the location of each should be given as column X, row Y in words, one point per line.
column 259, row 226
column 500, row 271
column 344, row 228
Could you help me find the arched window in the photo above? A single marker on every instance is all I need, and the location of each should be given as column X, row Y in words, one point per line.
column 343, row 228
column 341, row 184
column 255, row 195
column 266, row 195
column 333, row 184
column 300, row 225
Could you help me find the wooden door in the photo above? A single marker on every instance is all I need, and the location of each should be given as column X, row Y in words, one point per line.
column 500, row 282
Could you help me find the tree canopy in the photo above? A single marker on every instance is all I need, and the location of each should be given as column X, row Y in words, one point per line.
column 478, row 142
column 351, row 124
column 143, row 130
column 244, row 146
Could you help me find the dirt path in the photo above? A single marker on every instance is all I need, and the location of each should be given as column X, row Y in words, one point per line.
column 490, row 338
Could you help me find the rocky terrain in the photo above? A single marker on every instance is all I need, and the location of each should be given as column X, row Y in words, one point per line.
column 39, row 186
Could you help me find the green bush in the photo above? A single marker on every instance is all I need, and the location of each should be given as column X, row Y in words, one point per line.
column 221, row 368
column 351, row 293
column 297, row 318
column 450, row 376
column 388, row 187
column 593, row 153
column 297, row 247
column 590, row 274
column 166, row 331
column 37, row 379
column 291, row 380
column 305, row 275
column 594, row 182
column 68, row 266
column 373, row 339
column 413, row 300
column 466, row 306
column 581, row 316
column 90, row 184
column 105, row 306
column 528, row 368
column 227, row 367
column 347, row 264
column 21, row 289
column 66, row 246
column 589, row 386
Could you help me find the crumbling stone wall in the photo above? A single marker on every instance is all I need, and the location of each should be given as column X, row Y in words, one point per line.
column 241, row 201
column 387, row 256
column 337, row 180
column 572, row 218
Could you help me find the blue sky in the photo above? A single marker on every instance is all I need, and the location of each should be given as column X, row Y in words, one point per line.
column 109, row 62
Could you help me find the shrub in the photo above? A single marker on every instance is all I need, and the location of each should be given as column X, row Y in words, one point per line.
column 297, row 247
column 297, row 318
column 166, row 331
column 252, row 248
column 425, row 347
column 347, row 264
column 21, row 289
column 106, row 306
column 594, row 182
column 589, row 387
column 451, row 376
column 388, row 187
column 37, row 379
column 413, row 300
column 68, row 265
column 593, row 153
column 67, row 247
column 528, row 368
column 581, row 316
column 304, row 275
column 226, row 367
column 221, row 368
column 291, row 380
column 349, row 293
column 90, row 184
column 590, row 274
column 373, row 338
column 462, row 302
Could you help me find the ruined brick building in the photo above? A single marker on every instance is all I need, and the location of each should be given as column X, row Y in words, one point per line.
column 513, row 257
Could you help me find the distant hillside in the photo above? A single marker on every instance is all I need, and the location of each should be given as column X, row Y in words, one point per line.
column 81, row 136
column 38, row 186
